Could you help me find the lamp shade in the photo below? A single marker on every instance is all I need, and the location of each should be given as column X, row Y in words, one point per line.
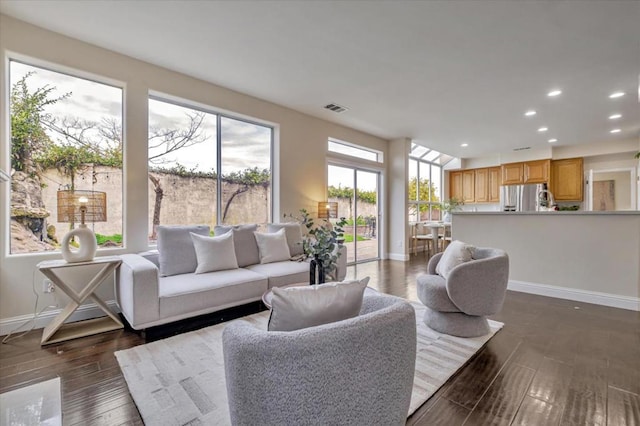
column 70, row 204
column 327, row 210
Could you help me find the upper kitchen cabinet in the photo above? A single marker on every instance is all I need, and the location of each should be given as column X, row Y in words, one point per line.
column 455, row 185
column 494, row 185
column 536, row 171
column 487, row 185
column 468, row 186
column 513, row 174
column 567, row 179
column 482, row 185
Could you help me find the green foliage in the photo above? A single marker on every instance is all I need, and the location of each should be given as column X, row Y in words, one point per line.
column 348, row 238
column 102, row 239
column 637, row 155
column 28, row 134
column 69, row 158
column 428, row 191
column 359, row 221
column 182, row 171
column 249, row 176
column 450, row 205
column 321, row 241
column 347, row 193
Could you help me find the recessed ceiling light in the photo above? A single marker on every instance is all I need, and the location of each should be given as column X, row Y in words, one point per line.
column 543, row 129
column 615, row 116
column 553, row 140
column 555, row 92
column 616, row 95
column 615, row 131
column 464, row 145
column 530, row 113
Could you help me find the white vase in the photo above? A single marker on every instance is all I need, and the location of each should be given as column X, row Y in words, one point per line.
column 446, row 217
column 87, row 241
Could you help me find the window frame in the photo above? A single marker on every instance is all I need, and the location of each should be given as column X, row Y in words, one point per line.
column 379, row 154
column 219, row 114
column 27, row 60
column 417, row 203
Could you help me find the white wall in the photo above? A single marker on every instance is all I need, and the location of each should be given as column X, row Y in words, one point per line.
column 398, row 162
column 586, row 254
column 300, row 150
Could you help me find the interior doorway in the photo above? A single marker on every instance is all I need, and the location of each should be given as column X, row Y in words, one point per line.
column 357, row 193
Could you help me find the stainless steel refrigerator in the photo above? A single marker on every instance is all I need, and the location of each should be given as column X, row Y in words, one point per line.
column 521, row 198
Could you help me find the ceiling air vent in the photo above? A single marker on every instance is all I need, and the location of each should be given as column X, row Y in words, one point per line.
column 336, row 108
column 524, row 148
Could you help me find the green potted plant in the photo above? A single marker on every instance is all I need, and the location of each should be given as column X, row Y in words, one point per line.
column 448, row 206
column 321, row 243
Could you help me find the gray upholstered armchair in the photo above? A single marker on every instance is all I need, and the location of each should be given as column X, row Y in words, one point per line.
column 473, row 290
column 358, row 371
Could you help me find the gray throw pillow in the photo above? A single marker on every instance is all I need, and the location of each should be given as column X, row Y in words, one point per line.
column 176, row 252
column 293, row 232
column 243, row 241
column 455, row 254
column 294, row 308
column 214, row 253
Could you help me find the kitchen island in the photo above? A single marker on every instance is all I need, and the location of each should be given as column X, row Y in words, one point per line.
column 591, row 257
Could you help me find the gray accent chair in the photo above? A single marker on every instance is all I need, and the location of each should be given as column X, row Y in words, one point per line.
column 460, row 304
column 357, row 371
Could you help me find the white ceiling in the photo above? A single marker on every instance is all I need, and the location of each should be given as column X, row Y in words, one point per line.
column 441, row 73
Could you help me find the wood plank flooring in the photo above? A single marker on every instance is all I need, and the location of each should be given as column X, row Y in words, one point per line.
column 556, row 362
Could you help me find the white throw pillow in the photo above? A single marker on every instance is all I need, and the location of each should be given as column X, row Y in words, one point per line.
column 455, row 254
column 293, row 232
column 294, row 308
column 272, row 247
column 214, row 253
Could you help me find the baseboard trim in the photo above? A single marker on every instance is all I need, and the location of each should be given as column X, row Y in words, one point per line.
column 88, row 311
column 398, row 256
column 586, row 296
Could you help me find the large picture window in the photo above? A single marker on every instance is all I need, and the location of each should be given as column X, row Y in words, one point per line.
column 206, row 168
column 66, row 134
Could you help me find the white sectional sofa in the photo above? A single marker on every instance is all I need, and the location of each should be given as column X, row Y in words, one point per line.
column 160, row 287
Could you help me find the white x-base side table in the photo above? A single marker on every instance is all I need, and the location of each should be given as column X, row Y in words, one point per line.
column 58, row 330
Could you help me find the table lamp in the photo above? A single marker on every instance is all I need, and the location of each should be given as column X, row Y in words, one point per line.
column 77, row 205
column 327, row 210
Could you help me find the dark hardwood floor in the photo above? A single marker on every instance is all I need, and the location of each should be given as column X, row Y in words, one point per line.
column 556, row 362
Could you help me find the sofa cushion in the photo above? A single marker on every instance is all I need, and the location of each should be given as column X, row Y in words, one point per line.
column 176, row 252
column 272, row 246
column 188, row 294
column 244, row 242
column 214, row 253
column 294, row 308
column 283, row 273
column 455, row 254
column 293, row 233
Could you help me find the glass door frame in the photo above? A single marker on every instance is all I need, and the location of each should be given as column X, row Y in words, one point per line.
column 380, row 225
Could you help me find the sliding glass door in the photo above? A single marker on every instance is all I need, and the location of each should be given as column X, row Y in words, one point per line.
column 356, row 192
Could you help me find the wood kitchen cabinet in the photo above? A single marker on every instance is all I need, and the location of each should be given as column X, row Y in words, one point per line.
column 455, row 185
column 482, row 185
column 513, row 174
column 468, row 186
column 536, row 171
column 567, row 179
column 494, row 184
column 487, row 185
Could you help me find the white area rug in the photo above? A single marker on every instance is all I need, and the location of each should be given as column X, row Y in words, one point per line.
column 38, row 404
column 180, row 380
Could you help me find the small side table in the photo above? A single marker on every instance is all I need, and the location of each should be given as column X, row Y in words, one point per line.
column 58, row 330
